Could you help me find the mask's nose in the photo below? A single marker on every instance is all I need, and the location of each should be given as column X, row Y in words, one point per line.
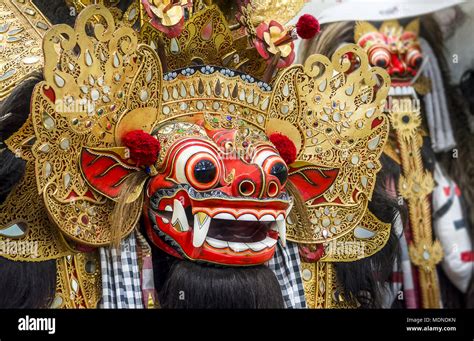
column 245, row 185
column 256, row 184
column 398, row 67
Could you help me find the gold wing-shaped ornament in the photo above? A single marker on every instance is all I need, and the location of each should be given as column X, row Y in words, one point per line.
column 91, row 82
column 332, row 109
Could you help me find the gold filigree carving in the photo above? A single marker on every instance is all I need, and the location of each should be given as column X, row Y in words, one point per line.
column 279, row 10
column 335, row 114
column 415, row 186
column 206, row 39
column 22, row 27
column 41, row 237
column 365, row 240
column 321, row 288
column 338, row 117
column 78, row 281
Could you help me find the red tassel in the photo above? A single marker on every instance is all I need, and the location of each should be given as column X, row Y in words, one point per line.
column 144, row 148
column 307, row 26
column 285, row 147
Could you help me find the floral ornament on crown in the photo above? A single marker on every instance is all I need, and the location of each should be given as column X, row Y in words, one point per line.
column 271, row 41
column 274, row 41
column 167, row 16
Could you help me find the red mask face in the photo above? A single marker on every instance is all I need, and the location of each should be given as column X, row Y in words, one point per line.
column 215, row 201
column 392, row 47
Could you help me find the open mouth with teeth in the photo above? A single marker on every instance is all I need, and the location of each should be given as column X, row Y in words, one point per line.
column 213, row 227
column 402, row 89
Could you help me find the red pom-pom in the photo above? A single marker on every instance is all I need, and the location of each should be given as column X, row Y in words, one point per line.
column 307, row 26
column 144, row 148
column 285, row 147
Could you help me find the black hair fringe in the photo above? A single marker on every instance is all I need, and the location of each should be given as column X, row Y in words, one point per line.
column 57, row 11
column 191, row 285
column 12, row 169
column 14, row 111
column 27, row 285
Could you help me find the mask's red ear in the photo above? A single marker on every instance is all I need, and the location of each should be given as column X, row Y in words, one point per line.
column 106, row 170
column 310, row 180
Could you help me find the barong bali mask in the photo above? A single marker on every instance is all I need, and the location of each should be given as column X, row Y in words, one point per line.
column 219, row 195
column 392, row 47
column 211, row 158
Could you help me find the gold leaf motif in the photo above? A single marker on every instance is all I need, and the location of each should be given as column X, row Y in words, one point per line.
column 341, row 126
column 109, row 66
column 21, row 37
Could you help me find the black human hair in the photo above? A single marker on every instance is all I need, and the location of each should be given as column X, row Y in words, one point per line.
column 27, row 285
column 192, row 285
column 57, row 11
column 14, row 111
column 213, row 286
column 466, row 86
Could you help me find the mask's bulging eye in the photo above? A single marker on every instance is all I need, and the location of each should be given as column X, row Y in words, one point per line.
column 280, row 171
column 198, row 166
column 379, row 56
column 202, row 171
column 205, row 171
column 272, row 164
column 414, row 58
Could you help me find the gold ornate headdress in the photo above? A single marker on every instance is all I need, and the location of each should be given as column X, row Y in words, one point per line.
column 391, row 28
column 102, row 84
column 206, row 39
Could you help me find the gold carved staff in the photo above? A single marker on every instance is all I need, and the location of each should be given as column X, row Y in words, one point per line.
column 415, row 186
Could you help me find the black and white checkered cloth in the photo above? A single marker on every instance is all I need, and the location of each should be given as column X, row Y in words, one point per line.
column 286, row 266
column 121, row 287
column 121, row 276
